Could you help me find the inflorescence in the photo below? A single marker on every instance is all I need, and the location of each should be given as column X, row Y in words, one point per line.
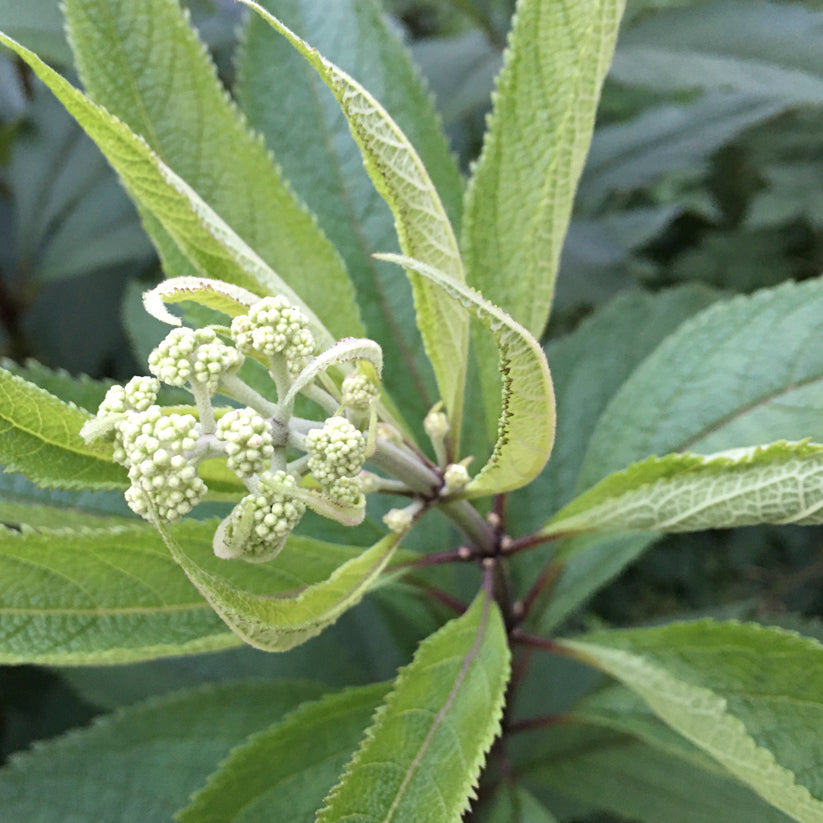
column 285, row 463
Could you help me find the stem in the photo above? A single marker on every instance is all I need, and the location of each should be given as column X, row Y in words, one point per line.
column 547, row 577
column 531, row 723
column 406, row 466
column 461, row 555
column 236, row 388
column 279, row 373
column 536, row 642
column 202, row 400
column 323, row 399
column 472, row 524
column 439, row 595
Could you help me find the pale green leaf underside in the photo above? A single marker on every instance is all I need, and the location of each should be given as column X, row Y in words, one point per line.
column 144, row 63
column 519, row 201
column 278, row 623
column 282, row 773
column 779, row 483
column 214, row 294
column 423, row 228
column 40, row 437
column 210, row 245
column 116, row 595
column 143, row 762
column 422, row 756
column 750, row 696
column 526, row 426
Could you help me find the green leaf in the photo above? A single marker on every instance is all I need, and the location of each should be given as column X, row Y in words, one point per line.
column 421, row 758
column 748, row 695
column 142, row 763
column 211, row 246
column 767, row 49
column 526, row 426
column 513, row 804
column 213, row 294
column 82, row 390
column 423, row 227
column 519, row 201
column 40, row 437
column 283, row 773
column 279, row 623
column 324, row 163
column 720, row 382
column 144, row 63
column 116, row 595
column 620, row 774
column 779, row 483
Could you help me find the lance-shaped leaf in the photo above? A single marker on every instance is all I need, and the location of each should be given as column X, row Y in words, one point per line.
column 143, row 762
column 323, row 163
column 210, row 245
column 779, row 483
column 750, row 696
column 525, row 432
column 519, row 201
column 421, row 758
column 144, row 63
column 284, row 772
column 423, row 227
column 279, row 620
column 116, row 595
column 40, row 437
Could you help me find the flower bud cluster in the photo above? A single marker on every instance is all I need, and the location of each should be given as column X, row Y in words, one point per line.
column 273, row 326
column 258, row 526
column 359, row 391
column 247, row 438
column 154, row 448
column 137, row 395
column 337, row 452
column 195, row 356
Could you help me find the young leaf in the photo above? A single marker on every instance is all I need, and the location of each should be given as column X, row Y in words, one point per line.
column 144, row 63
column 720, row 382
column 214, row 294
column 282, row 622
column 526, row 426
column 422, row 756
column 423, row 227
column 40, row 436
column 748, row 695
column 519, row 201
column 143, row 762
column 283, row 773
column 779, row 483
column 208, row 243
column 322, row 161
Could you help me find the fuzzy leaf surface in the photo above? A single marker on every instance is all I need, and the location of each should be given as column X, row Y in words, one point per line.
column 526, row 426
column 143, row 762
column 278, row 623
column 40, row 437
column 323, row 162
column 770, row 50
column 720, row 381
column 282, row 773
column 145, row 64
column 423, row 227
column 779, row 483
column 210, row 246
column 115, row 595
column 519, row 201
column 748, row 695
column 422, row 756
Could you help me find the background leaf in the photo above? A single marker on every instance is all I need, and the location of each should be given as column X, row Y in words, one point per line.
column 434, row 728
column 143, row 62
column 142, row 763
column 748, row 695
column 282, row 773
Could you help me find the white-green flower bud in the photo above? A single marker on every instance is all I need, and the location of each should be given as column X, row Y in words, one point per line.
column 194, row 355
column 347, row 491
column 259, row 524
column 336, row 450
column 436, row 425
column 456, row 476
column 359, row 391
column 274, row 326
column 248, row 441
column 398, row 520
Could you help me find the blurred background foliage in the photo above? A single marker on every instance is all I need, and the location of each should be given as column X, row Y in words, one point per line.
column 706, row 165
